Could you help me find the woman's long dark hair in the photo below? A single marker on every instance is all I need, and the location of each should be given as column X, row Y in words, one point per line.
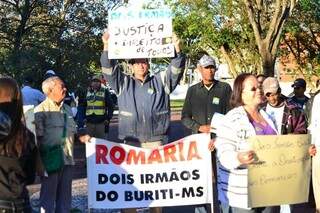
column 236, row 99
column 15, row 142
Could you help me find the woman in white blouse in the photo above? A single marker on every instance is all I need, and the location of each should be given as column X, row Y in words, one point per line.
column 244, row 120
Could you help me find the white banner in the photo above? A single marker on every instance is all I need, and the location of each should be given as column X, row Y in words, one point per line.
column 123, row 176
column 140, row 33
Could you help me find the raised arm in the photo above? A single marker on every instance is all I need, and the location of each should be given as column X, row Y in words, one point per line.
column 172, row 76
column 110, row 68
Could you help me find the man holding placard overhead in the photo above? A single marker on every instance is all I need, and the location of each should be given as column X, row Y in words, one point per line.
column 143, row 99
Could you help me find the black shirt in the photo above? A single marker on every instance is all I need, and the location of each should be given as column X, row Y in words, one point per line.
column 200, row 104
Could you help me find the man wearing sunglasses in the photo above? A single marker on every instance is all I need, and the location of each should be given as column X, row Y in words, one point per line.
column 288, row 118
column 143, row 99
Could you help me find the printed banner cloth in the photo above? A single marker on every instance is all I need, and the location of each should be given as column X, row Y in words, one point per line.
column 123, row 176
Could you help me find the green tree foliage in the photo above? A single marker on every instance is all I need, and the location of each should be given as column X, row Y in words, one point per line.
column 219, row 28
column 63, row 35
column 267, row 19
column 302, row 37
column 245, row 34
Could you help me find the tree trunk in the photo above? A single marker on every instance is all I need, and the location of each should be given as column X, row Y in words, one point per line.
column 268, row 62
column 229, row 61
column 24, row 15
column 267, row 33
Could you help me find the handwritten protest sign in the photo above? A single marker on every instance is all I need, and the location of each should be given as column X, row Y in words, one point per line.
column 123, row 176
column 281, row 172
column 140, row 33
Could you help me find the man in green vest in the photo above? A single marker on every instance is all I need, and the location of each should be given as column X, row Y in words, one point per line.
column 99, row 109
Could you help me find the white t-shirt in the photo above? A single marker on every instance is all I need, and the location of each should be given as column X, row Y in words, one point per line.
column 276, row 114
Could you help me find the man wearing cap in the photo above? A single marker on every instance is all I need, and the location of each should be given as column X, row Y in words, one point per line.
column 99, row 109
column 203, row 100
column 143, row 99
column 287, row 117
column 299, row 87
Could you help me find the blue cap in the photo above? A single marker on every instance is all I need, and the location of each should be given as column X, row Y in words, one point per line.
column 299, row 82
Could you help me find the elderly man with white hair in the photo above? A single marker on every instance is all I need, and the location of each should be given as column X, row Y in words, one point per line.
column 56, row 132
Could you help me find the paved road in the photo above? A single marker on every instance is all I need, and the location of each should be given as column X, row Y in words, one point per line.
column 177, row 131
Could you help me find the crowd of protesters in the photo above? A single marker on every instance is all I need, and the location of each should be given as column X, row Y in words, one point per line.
column 255, row 106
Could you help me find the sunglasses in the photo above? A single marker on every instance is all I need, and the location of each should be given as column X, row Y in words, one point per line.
column 271, row 94
column 210, row 67
column 268, row 94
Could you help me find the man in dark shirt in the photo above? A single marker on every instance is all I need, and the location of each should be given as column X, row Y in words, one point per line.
column 202, row 101
column 205, row 98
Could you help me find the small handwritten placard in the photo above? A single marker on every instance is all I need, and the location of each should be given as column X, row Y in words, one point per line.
column 281, row 171
column 140, row 33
